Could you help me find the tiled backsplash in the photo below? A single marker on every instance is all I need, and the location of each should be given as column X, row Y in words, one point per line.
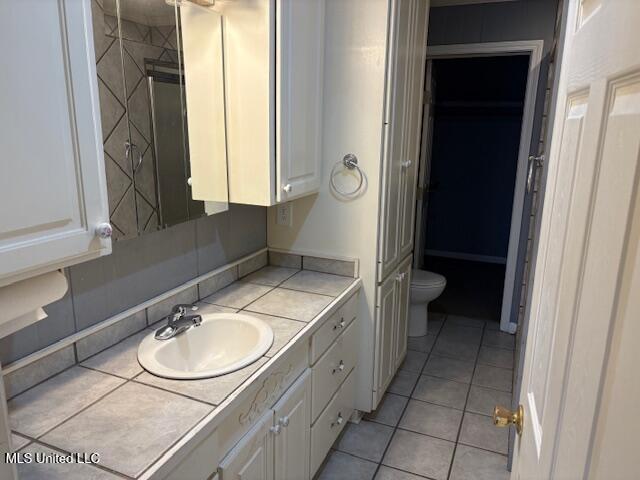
column 76, row 348
column 139, row 269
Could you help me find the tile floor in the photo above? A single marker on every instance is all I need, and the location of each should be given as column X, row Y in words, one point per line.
column 434, row 421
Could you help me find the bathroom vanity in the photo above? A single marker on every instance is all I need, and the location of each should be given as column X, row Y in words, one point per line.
column 142, row 131
column 277, row 417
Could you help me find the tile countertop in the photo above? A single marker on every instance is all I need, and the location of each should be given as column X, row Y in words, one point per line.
column 109, row 404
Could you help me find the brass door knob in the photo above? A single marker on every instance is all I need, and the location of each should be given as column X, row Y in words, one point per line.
column 503, row 417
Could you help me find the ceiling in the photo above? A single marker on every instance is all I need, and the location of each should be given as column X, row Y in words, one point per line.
column 449, row 3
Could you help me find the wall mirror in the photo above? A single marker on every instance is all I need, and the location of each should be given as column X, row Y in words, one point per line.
column 161, row 84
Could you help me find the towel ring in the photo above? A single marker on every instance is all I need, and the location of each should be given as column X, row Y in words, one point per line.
column 350, row 161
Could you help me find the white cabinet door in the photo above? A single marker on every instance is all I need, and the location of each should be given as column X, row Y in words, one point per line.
column 412, row 131
column 293, row 421
column 52, row 180
column 299, row 61
column 252, row 457
column 403, row 279
column 274, row 56
column 386, row 326
column 394, row 154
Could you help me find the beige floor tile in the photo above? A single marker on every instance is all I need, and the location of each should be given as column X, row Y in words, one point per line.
column 403, row 383
column 414, row 361
column 419, row 454
column 421, row 344
column 389, row 410
column 462, row 334
column 479, row 431
column 366, row 440
column 454, row 349
column 474, row 464
column 493, row 377
column 483, row 400
column 441, row 391
column 449, row 368
column 495, row 338
column 465, row 321
column 430, row 419
column 388, row 473
column 497, row 357
column 342, row 466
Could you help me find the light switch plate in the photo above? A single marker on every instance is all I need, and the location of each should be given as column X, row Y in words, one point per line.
column 284, row 214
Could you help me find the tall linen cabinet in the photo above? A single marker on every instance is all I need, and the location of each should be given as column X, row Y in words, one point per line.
column 373, row 80
column 401, row 151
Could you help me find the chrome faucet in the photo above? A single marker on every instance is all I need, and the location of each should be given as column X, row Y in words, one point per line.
column 178, row 321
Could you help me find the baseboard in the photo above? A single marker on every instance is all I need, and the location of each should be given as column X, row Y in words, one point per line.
column 467, row 256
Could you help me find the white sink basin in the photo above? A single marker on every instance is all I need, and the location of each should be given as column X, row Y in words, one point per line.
column 223, row 343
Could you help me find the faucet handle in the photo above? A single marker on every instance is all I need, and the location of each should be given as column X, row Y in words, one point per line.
column 196, row 320
column 183, row 308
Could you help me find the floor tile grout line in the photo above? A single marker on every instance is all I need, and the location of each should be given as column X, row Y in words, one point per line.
column 396, row 427
column 409, row 397
column 455, row 447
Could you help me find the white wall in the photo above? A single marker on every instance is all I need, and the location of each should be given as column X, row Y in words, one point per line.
column 354, row 81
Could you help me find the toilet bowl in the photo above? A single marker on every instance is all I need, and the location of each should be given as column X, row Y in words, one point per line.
column 425, row 287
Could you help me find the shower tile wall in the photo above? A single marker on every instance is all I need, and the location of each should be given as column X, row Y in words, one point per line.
column 132, row 195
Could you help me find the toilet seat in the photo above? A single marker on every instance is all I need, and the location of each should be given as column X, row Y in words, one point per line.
column 426, row 279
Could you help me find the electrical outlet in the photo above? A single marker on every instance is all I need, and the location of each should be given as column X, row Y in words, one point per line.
column 284, row 214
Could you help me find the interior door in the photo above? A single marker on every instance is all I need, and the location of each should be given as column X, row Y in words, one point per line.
column 252, row 458
column 299, row 68
column 293, row 418
column 585, row 231
column 52, row 185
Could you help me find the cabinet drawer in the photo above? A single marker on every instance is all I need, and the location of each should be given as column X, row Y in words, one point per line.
column 331, row 422
column 332, row 368
column 333, row 327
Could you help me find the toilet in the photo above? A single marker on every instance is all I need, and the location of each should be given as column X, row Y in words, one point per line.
column 425, row 287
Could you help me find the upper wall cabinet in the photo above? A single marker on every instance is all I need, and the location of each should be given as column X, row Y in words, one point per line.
column 273, row 80
column 52, row 178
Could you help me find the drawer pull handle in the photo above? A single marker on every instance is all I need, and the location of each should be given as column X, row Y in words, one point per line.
column 338, row 420
column 284, row 421
column 275, row 429
column 339, row 368
column 340, row 324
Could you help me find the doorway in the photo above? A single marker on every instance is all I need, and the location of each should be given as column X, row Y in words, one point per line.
column 474, row 161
